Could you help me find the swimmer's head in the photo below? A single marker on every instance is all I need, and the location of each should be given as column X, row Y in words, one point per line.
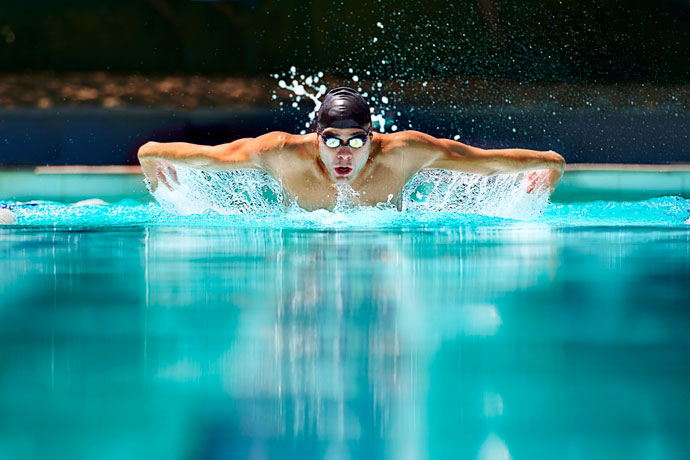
column 343, row 108
column 344, row 133
column 344, row 152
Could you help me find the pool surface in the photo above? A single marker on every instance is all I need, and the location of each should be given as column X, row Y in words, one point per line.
column 127, row 332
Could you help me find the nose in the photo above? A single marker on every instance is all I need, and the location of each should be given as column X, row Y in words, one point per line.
column 344, row 152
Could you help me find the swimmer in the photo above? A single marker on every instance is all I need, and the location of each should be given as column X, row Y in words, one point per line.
column 345, row 150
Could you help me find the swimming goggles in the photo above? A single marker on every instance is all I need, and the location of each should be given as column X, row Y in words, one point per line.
column 353, row 142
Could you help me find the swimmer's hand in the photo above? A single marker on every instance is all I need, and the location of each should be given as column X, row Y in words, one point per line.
column 542, row 180
column 160, row 172
column 535, row 181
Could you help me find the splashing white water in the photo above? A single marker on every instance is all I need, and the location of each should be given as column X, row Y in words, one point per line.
column 434, row 190
column 502, row 195
column 226, row 192
column 346, row 197
column 301, row 86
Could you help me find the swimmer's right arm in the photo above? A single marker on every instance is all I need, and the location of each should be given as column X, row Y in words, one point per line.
column 158, row 158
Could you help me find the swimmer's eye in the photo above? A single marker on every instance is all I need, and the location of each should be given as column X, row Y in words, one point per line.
column 355, row 142
column 331, row 142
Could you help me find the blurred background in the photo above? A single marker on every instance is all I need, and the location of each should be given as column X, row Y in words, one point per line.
column 85, row 82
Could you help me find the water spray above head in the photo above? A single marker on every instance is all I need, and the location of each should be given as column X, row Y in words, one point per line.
column 343, row 108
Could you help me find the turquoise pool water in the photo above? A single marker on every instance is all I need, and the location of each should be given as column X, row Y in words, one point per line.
column 126, row 332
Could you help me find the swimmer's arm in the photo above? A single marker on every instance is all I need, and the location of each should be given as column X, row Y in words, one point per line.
column 449, row 154
column 158, row 158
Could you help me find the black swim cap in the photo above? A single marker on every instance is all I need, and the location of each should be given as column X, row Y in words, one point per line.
column 343, row 108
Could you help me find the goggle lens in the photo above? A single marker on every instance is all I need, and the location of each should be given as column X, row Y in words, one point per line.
column 355, row 142
column 332, row 142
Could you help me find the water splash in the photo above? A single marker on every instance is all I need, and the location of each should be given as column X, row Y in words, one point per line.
column 346, row 198
column 503, row 195
column 301, row 86
column 225, row 192
column 434, row 190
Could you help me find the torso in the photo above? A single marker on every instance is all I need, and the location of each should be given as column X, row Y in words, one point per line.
column 306, row 181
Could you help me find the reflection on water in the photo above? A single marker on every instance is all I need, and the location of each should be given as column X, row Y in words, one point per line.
column 471, row 342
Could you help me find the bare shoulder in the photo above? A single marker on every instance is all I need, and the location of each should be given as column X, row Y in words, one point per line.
column 300, row 143
column 258, row 148
column 404, row 140
column 281, row 153
column 281, row 141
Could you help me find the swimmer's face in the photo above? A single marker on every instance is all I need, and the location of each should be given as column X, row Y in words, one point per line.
column 344, row 162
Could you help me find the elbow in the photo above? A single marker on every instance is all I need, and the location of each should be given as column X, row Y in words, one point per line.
column 556, row 157
column 146, row 149
column 557, row 160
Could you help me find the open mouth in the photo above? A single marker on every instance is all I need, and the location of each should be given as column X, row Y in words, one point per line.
column 343, row 170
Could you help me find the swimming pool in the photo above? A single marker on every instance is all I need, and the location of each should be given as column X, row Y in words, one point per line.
column 127, row 332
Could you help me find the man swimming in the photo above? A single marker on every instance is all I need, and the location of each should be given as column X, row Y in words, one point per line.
column 345, row 150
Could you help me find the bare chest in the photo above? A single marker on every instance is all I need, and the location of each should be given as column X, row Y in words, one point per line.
column 375, row 184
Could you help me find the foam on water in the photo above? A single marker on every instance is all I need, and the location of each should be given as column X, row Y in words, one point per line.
column 656, row 212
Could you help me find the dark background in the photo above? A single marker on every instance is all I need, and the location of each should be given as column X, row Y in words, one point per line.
column 527, row 40
column 610, row 47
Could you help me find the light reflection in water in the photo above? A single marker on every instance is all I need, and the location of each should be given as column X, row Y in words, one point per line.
column 342, row 327
column 474, row 342
column 493, row 448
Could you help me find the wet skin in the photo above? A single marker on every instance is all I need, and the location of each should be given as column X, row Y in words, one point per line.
column 310, row 171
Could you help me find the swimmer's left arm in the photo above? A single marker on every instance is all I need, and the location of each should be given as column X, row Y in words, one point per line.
column 449, row 154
